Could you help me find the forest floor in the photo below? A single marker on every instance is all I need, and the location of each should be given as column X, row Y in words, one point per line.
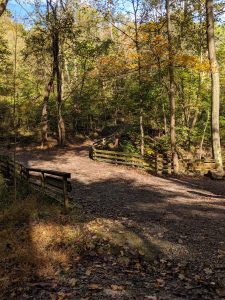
column 138, row 236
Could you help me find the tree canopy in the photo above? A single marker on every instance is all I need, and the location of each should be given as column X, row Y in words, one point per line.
column 138, row 69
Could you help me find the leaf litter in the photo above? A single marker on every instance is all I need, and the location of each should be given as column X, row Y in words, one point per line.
column 123, row 242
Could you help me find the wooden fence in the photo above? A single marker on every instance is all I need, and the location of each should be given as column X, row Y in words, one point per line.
column 198, row 166
column 157, row 163
column 52, row 183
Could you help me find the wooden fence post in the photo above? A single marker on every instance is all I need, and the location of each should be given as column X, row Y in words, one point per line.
column 43, row 181
column 159, row 164
column 156, row 163
column 169, row 165
column 27, row 174
column 7, row 168
column 21, row 172
column 91, row 153
column 164, row 165
column 65, row 193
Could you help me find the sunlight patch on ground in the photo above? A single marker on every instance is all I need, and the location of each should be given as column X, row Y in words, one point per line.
column 145, row 245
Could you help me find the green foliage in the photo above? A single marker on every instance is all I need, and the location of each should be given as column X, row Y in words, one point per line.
column 162, row 144
column 102, row 85
column 127, row 146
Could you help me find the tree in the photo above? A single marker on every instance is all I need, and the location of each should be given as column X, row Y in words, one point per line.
column 136, row 7
column 57, row 63
column 126, row 82
column 215, row 86
column 3, row 5
column 44, row 116
column 52, row 22
column 171, row 91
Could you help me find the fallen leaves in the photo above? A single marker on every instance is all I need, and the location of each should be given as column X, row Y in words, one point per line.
column 102, row 262
column 95, row 286
column 208, row 271
column 116, row 287
column 73, row 281
column 88, row 272
column 181, row 276
column 123, row 260
column 221, row 292
column 160, row 283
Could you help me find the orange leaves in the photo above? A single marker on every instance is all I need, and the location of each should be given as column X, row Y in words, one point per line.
column 152, row 49
column 192, row 62
column 159, row 39
column 133, row 55
column 112, row 64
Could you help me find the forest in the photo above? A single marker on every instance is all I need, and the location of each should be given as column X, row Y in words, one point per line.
column 135, row 69
column 117, row 108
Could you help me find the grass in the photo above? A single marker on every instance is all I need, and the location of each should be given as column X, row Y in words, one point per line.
column 36, row 238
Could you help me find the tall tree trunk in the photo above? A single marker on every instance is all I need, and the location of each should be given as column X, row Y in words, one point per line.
column 161, row 92
column 164, row 120
column 203, row 135
column 171, row 93
column 142, row 129
column 110, row 20
column 215, row 86
column 61, row 123
column 191, row 128
column 3, row 5
column 140, row 94
column 15, row 95
column 44, row 115
column 200, row 77
column 58, row 72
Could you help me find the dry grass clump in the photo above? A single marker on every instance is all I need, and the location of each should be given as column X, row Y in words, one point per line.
column 36, row 238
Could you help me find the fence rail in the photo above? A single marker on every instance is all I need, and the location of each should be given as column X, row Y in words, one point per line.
column 157, row 163
column 53, row 183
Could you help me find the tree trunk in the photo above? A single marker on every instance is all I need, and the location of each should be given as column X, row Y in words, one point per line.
column 140, row 94
column 171, row 93
column 142, row 131
column 61, row 123
column 215, row 86
column 203, row 136
column 164, row 120
column 44, row 115
column 3, row 5
column 57, row 68
column 110, row 20
column 191, row 128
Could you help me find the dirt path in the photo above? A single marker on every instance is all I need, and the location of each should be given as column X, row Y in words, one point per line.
column 182, row 219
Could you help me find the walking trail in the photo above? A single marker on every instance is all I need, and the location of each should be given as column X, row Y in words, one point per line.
column 177, row 218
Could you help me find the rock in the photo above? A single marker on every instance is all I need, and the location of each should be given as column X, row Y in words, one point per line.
column 216, row 175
